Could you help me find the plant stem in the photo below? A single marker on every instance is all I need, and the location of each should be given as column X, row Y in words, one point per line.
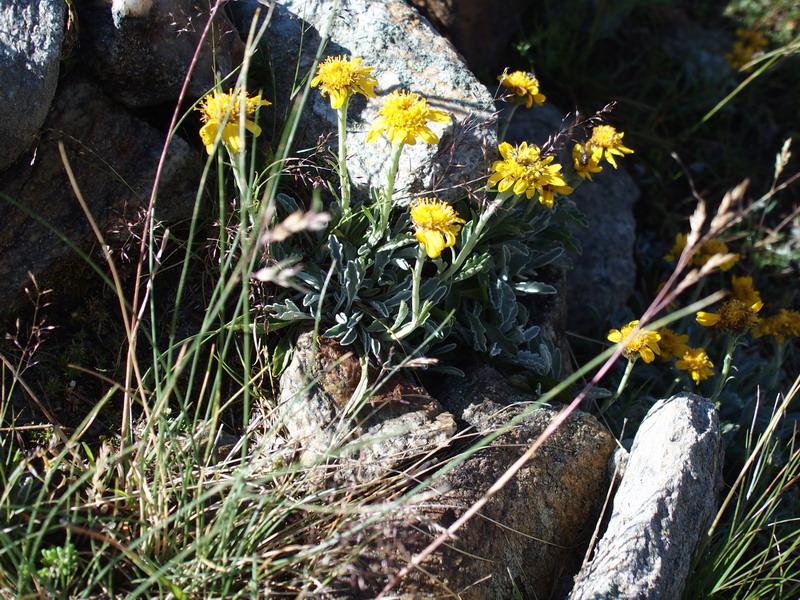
column 620, row 388
column 475, row 237
column 416, row 283
column 344, row 181
column 385, row 208
column 726, row 367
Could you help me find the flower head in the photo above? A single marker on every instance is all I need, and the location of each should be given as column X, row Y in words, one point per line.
column 436, row 224
column 672, row 344
column 404, row 116
column 524, row 86
column 733, row 315
column 524, row 170
column 605, row 143
column 677, row 249
column 786, row 322
column 549, row 191
column 744, row 291
column 711, row 247
column 341, row 78
column 697, row 363
column 748, row 42
column 585, row 163
column 226, row 111
column 643, row 343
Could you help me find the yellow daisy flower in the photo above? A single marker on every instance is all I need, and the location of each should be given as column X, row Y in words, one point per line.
column 224, row 110
column 644, row 343
column 585, row 163
column 744, row 291
column 711, row 247
column 748, row 42
column 405, row 117
column 436, row 224
column 524, row 170
column 786, row 322
column 524, row 86
column 549, row 192
column 341, row 78
column 697, row 363
column 605, row 143
column 733, row 315
column 677, row 249
column 672, row 344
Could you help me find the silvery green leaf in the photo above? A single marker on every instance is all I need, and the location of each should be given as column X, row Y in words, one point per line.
column 353, row 278
column 310, row 278
column 474, row 265
column 555, row 364
column 443, row 349
column 534, row 287
column 380, row 308
column 544, row 352
column 476, row 329
column 311, row 300
column 545, row 258
column 597, row 393
column 288, row 311
column 402, row 263
column 504, row 301
column 335, row 249
column 402, row 313
column 345, row 325
column 530, row 333
column 397, row 242
column 287, row 203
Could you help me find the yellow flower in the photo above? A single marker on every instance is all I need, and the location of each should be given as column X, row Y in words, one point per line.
column 605, row 143
column 733, row 315
column 644, row 343
column 743, row 290
column 224, row 110
column 549, row 191
column 341, row 78
column 711, row 247
column 697, row 363
column 525, row 171
column 672, row 344
column 677, row 249
column 436, row 224
column 524, row 86
column 786, row 322
column 405, row 116
column 748, row 42
column 585, row 163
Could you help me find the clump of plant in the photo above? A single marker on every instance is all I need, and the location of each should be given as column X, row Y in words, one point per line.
column 395, row 276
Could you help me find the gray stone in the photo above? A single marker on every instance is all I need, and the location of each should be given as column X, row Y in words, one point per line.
column 481, row 30
column 140, row 53
column 114, row 156
column 31, row 34
column 407, row 54
column 603, row 276
column 530, row 537
column 322, row 414
column 662, row 507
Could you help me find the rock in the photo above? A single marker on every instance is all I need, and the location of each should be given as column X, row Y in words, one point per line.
column 369, row 439
column 530, row 535
column 664, row 504
column 114, row 156
column 481, row 30
column 140, row 52
column 603, row 276
column 31, row 34
column 407, row 54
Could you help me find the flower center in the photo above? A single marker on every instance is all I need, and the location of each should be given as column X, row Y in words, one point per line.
column 605, row 136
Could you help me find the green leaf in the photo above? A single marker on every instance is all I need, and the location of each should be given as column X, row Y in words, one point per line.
column 534, row 287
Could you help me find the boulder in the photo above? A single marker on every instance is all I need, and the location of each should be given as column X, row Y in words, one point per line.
column 31, row 35
column 407, row 54
column 664, row 504
column 481, row 30
column 114, row 156
column 140, row 52
column 531, row 536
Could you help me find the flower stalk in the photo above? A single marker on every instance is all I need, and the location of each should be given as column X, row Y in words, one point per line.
column 344, row 180
column 385, row 206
